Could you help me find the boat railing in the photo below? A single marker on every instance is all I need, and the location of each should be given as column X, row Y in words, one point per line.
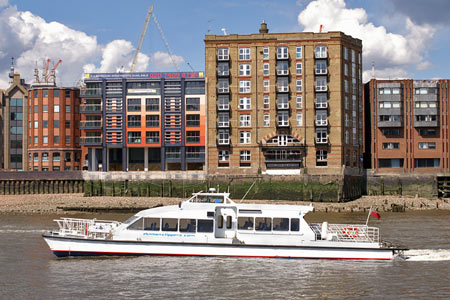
column 346, row 233
column 85, row 228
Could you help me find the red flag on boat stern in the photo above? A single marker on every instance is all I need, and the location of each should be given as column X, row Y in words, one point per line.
column 375, row 214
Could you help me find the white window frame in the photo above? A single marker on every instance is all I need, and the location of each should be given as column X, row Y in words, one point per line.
column 299, row 85
column 320, row 51
column 322, row 155
column 222, row 54
column 299, row 119
column 282, row 68
column 245, row 103
column 298, row 68
column 245, row 86
column 266, row 102
column 244, row 53
column 321, row 101
column 223, row 102
column 266, row 52
column 266, row 120
column 266, row 85
column 283, row 84
column 266, row 69
column 244, row 70
column 321, row 67
column 298, row 52
column 321, row 135
column 245, row 120
column 224, row 155
column 282, row 52
column 221, row 71
column 223, row 119
column 223, row 136
column 283, row 101
column 321, row 84
column 244, row 137
column 321, row 117
column 283, row 118
column 299, row 102
column 245, row 155
column 223, row 86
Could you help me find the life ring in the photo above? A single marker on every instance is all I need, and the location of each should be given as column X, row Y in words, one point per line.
column 350, row 231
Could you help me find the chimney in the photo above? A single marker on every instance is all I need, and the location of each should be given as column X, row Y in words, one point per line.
column 263, row 28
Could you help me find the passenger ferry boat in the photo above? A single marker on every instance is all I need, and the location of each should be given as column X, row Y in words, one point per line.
column 211, row 224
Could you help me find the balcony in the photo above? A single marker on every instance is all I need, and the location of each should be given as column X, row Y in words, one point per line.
column 91, row 124
column 426, row 123
column 90, row 140
column 90, row 108
column 390, row 111
column 429, row 111
column 390, row 124
column 282, row 72
column 195, row 156
column 223, row 142
column 321, row 105
column 90, row 92
column 282, row 89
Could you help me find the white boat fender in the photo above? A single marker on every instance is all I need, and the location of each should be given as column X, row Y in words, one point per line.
column 324, row 230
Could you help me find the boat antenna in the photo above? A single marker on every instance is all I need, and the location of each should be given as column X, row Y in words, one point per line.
column 248, row 191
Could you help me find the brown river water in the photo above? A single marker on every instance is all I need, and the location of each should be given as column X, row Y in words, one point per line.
column 28, row 270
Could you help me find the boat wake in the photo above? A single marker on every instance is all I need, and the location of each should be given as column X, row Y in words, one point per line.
column 427, row 255
column 21, row 230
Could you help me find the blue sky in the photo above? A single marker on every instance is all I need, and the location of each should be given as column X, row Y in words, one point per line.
column 405, row 38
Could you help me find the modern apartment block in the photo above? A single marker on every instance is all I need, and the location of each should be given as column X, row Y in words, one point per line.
column 53, row 128
column 407, row 126
column 143, row 121
column 15, row 105
column 284, row 103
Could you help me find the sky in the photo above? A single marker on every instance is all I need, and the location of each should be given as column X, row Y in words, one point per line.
column 404, row 38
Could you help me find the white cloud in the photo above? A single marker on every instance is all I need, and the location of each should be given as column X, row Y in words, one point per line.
column 30, row 39
column 391, row 52
column 163, row 60
column 4, row 3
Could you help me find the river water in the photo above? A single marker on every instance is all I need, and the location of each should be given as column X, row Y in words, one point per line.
column 28, row 270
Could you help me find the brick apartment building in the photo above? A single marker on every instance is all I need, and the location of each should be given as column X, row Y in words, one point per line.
column 283, row 103
column 143, row 121
column 407, row 126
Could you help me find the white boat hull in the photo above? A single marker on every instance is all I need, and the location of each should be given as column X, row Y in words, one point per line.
column 66, row 246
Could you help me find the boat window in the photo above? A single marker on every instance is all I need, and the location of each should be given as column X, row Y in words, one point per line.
column 187, row 225
column 280, row 224
column 170, row 224
column 130, row 220
column 245, row 223
column 152, row 223
column 209, row 199
column 138, row 225
column 220, row 222
column 263, row 224
column 229, row 224
column 205, row 226
column 295, row 224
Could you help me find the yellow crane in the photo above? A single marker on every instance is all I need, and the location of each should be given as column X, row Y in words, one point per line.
column 141, row 38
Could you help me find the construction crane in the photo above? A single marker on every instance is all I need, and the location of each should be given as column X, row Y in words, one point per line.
column 52, row 72
column 165, row 42
column 141, row 38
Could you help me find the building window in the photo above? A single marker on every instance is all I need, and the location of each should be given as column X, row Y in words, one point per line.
column 244, row 86
column 282, row 84
column 321, row 67
column 36, row 124
column 299, row 119
column 152, row 137
column 45, row 140
column 266, row 102
column 55, row 123
column 36, row 109
column 150, row 121
column 266, row 86
column 244, row 70
column 427, row 132
column 282, row 102
column 193, row 137
column 266, row 70
column 244, row 137
column 245, row 120
column 321, row 158
column 134, row 137
column 151, row 104
column 67, row 139
column 299, row 102
column 56, row 140
column 426, row 163
column 282, row 52
column 35, row 157
column 321, row 51
column 44, row 124
column 321, row 136
column 45, row 108
column 45, row 156
column 192, row 120
column 283, row 118
column 134, row 121
column 390, row 146
column 223, row 85
column 223, row 69
column 244, row 53
column 222, row 54
column 298, row 85
column 429, row 145
column 223, row 120
column 298, row 52
column 390, row 163
column 224, row 155
column 223, row 137
column 321, row 84
column 244, row 103
column 265, row 52
column 321, row 117
column 321, row 101
column 345, row 53
column 192, row 104
column 245, row 155
column 67, row 124
column 298, row 68
column 266, row 120
column 56, row 157
column 282, row 68
column 223, row 102
column 67, row 108
column 35, row 139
